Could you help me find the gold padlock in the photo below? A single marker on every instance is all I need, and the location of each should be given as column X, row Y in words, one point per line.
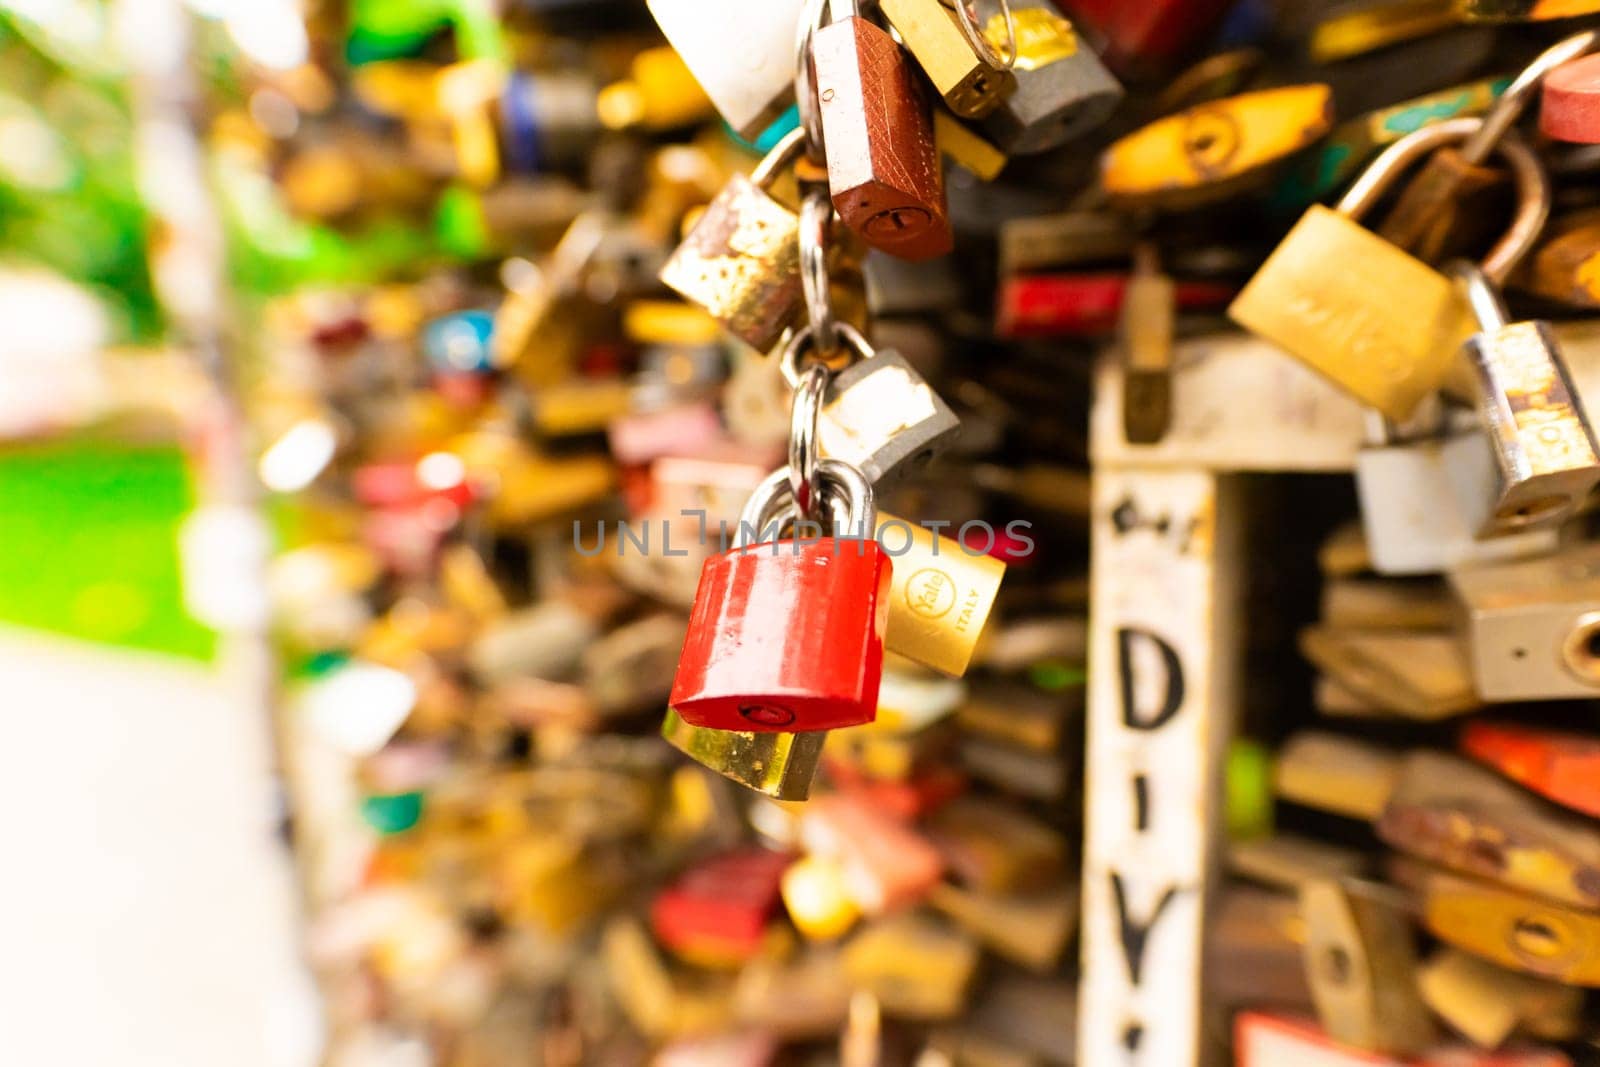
column 970, row 83
column 780, row 765
column 741, row 261
column 1378, row 323
column 940, row 595
column 1208, row 151
column 1521, row 932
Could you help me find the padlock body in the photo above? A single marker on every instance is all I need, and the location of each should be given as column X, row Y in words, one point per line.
column 1533, row 626
column 940, row 596
column 1063, row 90
column 1416, row 500
column 881, row 416
column 1381, row 325
column 741, row 262
column 970, row 87
column 741, row 53
column 1212, row 150
column 786, row 636
column 883, row 164
column 1542, row 440
column 781, row 766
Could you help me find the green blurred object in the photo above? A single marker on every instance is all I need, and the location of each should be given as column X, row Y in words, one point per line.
column 89, row 544
column 392, row 813
column 395, row 29
column 1247, row 790
column 1056, row 675
column 71, row 202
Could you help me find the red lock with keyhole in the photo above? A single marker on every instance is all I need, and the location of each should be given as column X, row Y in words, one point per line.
column 787, row 635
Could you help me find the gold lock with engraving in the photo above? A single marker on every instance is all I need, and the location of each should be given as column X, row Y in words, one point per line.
column 940, row 594
column 1380, row 324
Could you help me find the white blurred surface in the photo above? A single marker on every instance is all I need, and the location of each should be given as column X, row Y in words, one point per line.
column 147, row 911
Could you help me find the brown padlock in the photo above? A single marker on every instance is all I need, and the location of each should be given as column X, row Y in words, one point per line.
column 883, row 164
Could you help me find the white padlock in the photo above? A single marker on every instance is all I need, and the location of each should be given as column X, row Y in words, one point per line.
column 741, row 53
column 1414, row 502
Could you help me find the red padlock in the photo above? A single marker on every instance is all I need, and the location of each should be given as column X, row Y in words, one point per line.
column 1569, row 108
column 1560, row 766
column 787, row 635
column 717, row 912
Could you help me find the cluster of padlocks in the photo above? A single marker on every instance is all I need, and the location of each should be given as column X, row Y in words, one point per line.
column 726, row 452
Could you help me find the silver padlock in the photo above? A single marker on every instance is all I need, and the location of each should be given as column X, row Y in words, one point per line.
column 741, row 53
column 1063, row 90
column 1533, row 626
column 1417, row 497
column 1541, row 437
column 878, row 415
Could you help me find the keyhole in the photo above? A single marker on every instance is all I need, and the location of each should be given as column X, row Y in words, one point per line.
column 898, row 222
column 1536, row 938
column 1336, row 965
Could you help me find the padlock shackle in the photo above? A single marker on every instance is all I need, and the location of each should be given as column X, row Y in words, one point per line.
column 789, row 358
column 812, row 18
column 784, row 153
column 1482, row 296
column 816, row 219
column 805, row 478
column 1533, row 186
column 966, row 12
column 773, row 496
column 1519, row 94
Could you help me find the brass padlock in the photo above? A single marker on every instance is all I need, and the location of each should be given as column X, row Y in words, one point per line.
column 1521, row 932
column 1360, row 958
column 1209, row 151
column 1418, row 674
column 971, row 84
column 1331, row 294
column 741, row 261
column 1146, row 328
column 940, row 595
column 1063, row 90
column 1489, row 1003
column 1029, row 929
column 918, row 967
column 1333, row 773
column 780, row 765
column 1543, row 444
column 883, row 164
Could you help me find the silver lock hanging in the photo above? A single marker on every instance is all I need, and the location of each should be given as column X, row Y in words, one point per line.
column 879, row 414
column 1543, row 444
column 1418, row 495
column 1532, row 627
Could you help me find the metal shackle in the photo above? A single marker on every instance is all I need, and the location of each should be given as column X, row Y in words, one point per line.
column 784, row 153
column 1482, row 297
column 1533, row 186
column 1519, row 94
column 846, row 493
column 799, row 340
